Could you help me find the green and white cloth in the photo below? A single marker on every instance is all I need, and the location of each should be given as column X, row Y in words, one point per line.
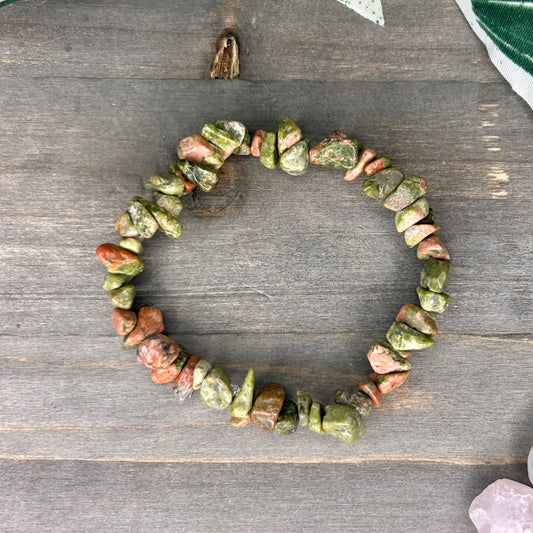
column 504, row 26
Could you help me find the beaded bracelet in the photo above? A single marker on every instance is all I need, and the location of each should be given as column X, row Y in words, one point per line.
column 200, row 157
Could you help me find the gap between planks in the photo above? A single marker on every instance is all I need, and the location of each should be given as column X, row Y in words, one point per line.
column 265, row 460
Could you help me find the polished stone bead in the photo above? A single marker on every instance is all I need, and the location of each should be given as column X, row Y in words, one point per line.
column 434, row 275
column 304, row 407
column 124, row 320
column 411, row 189
column 414, row 234
column 356, row 399
column 388, row 382
column 371, row 390
column 125, row 227
column 377, row 166
column 205, row 177
column 183, row 382
column 123, row 296
column 158, row 351
column 168, row 183
column 201, row 370
column 131, row 244
column 167, row 223
column 242, row 403
column 267, row 406
column 412, row 214
column 295, row 159
column 117, row 260
column 403, row 337
column 225, row 140
column 289, row 134
column 380, row 185
column 149, row 321
column 287, row 421
column 172, row 204
column 215, row 390
column 315, row 417
column 343, row 422
column 418, row 318
column 433, row 301
column 505, row 506
column 142, row 218
column 269, row 152
column 196, row 149
column 384, row 360
column 432, row 246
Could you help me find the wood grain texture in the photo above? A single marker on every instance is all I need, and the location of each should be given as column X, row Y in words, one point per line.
column 298, row 277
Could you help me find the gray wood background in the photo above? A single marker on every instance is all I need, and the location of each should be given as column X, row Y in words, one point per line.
column 297, row 277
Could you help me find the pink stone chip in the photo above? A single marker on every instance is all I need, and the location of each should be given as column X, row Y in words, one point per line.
column 505, row 506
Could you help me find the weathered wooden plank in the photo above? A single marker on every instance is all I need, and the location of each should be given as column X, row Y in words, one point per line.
column 280, row 41
column 121, row 497
column 98, row 124
column 84, row 398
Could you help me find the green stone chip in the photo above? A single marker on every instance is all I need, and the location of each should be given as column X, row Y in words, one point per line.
column 114, row 281
column 410, row 189
column 215, row 390
column 433, row 301
column 343, row 422
column 340, row 154
column 403, row 337
column 123, row 296
column 167, row 183
column 411, row 214
column 383, row 183
column 434, row 275
column 142, row 218
column 167, row 223
column 315, row 417
column 269, row 152
column 304, row 407
column 204, row 176
column 201, row 370
column 287, row 421
column 171, row 203
column 242, row 403
column 295, row 159
column 131, row 244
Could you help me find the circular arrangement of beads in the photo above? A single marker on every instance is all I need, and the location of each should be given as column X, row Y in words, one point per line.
column 200, row 157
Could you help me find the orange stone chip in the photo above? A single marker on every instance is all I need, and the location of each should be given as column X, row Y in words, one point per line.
column 372, row 391
column 165, row 375
column 149, row 321
column 257, row 141
column 388, row 382
column 124, row 320
column 432, row 246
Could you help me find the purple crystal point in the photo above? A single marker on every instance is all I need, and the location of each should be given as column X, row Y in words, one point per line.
column 505, row 506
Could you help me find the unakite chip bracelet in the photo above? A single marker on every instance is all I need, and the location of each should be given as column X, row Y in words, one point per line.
column 200, row 158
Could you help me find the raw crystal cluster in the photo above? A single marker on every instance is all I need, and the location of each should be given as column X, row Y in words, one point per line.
column 505, row 506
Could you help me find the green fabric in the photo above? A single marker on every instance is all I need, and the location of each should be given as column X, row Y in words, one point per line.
column 509, row 23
